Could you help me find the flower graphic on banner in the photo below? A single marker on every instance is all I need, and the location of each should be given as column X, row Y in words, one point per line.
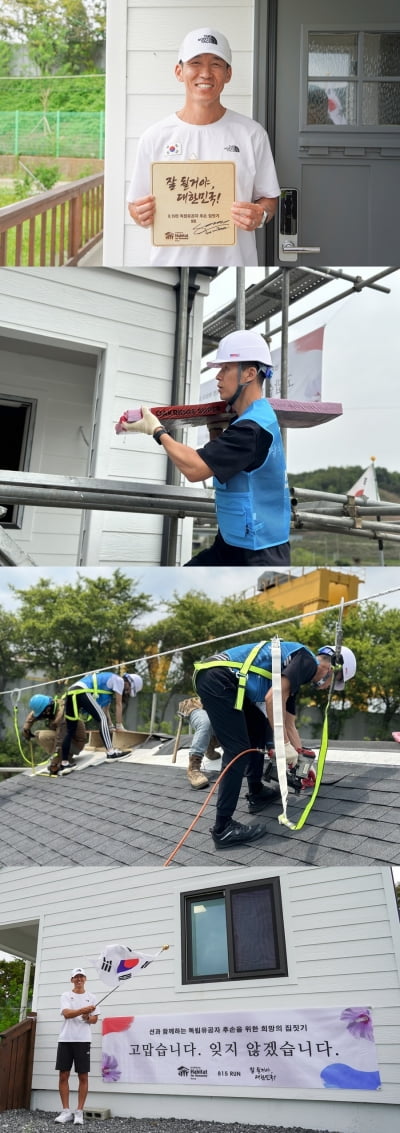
column 360, row 1022
column 109, row 1069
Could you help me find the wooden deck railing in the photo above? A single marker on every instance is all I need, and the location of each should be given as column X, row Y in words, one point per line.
column 55, row 228
column 16, row 1061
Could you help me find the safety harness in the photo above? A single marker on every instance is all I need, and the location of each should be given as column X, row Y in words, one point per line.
column 75, row 692
column 244, row 668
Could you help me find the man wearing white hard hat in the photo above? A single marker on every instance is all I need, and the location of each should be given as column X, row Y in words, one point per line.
column 205, row 130
column 92, row 696
column 78, row 1010
column 302, row 774
column 247, row 461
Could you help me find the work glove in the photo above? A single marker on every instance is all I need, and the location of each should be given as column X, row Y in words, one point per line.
column 147, row 424
column 291, row 755
column 120, row 728
column 28, row 735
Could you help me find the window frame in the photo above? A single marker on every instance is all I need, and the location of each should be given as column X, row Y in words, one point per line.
column 272, row 884
column 30, row 404
column 358, row 80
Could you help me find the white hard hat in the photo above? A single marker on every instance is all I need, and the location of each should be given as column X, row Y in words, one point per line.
column 349, row 664
column 204, row 40
column 242, row 346
column 348, row 668
column 135, row 682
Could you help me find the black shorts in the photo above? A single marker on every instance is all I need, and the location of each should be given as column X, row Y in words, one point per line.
column 76, row 1053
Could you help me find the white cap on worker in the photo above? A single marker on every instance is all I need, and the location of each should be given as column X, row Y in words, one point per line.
column 242, row 346
column 135, row 682
column 77, row 972
column 204, row 40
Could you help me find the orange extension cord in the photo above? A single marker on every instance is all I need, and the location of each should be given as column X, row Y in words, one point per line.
column 202, row 808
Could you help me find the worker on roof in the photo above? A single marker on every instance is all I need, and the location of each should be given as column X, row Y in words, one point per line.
column 247, row 460
column 50, row 711
column 232, row 686
column 92, row 695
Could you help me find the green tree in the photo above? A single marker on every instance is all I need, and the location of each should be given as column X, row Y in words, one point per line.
column 11, row 981
column 196, row 617
column 71, row 629
column 373, row 633
column 61, row 35
column 12, row 665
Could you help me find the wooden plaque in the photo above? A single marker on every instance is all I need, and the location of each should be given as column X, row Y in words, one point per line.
column 193, row 203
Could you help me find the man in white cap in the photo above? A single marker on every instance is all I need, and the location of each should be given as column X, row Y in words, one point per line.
column 92, row 696
column 247, row 460
column 78, row 1009
column 204, row 130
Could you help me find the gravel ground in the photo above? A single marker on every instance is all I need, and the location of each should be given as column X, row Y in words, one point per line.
column 21, row 1121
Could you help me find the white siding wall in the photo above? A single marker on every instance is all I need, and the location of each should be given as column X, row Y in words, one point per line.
column 128, row 318
column 342, row 935
column 64, row 394
column 143, row 41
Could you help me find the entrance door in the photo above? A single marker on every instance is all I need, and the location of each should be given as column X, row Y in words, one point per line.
column 338, row 126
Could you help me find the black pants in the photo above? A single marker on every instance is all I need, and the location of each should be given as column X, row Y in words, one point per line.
column 86, row 703
column 237, row 731
column 223, row 554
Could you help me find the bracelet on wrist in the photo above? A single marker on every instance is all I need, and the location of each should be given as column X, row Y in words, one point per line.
column 158, row 433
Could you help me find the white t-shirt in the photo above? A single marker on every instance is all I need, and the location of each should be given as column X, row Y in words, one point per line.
column 76, row 1030
column 233, row 138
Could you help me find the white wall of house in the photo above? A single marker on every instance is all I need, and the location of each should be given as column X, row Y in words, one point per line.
column 343, row 942
column 126, row 324
column 142, row 44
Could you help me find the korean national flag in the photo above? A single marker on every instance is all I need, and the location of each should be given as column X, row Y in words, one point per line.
column 117, row 963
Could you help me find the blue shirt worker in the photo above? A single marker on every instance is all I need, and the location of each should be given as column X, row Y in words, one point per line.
column 232, row 685
column 246, row 460
column 92, row 695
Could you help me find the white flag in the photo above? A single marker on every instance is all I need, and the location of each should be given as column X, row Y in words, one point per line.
column 366, row 486
column 117, row 963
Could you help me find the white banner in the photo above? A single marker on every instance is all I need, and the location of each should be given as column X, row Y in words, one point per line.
column 304, row 367
column 314, row 1048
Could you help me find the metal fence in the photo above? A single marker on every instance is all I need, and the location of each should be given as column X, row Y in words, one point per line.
column 55, row 133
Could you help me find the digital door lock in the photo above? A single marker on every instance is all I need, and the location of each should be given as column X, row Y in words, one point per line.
column 289, row 249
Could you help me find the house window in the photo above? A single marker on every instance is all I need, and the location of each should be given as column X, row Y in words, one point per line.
column 353, row 79
column 17, row 419
column 233, row 932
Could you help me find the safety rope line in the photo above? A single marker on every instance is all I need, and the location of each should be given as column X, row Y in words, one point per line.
column 208, row 641
column 168, row 861
column 321, row 758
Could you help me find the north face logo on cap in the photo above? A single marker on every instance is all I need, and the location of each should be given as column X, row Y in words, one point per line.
column 207, row 39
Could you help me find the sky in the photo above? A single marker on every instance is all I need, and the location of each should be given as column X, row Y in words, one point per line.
column 361, row 364
column 163, row 582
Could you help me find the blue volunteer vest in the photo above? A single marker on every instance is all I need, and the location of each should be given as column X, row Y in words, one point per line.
column 253, row 508
column 96, row 683
column 257, row 685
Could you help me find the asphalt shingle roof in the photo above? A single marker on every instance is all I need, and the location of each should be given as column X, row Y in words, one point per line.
column 119, row 813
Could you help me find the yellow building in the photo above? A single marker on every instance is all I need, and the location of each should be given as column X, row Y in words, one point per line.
column 313, row 590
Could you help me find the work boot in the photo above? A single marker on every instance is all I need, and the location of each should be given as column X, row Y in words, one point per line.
column 235, row 834
column 196, row 777
column 211, row 753
column 260, row 799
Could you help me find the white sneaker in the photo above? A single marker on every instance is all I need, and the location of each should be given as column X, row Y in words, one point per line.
column 78, row 1119
column 64, row 1116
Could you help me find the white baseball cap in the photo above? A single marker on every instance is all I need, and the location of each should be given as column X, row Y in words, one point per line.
column 204, row 40
column 77, row 972
column 135, row 682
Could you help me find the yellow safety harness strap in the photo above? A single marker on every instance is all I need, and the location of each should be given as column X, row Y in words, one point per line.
column 245, row 667
column 75, row 692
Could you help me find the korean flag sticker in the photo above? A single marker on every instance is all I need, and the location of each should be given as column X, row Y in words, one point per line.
column 173, row 150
